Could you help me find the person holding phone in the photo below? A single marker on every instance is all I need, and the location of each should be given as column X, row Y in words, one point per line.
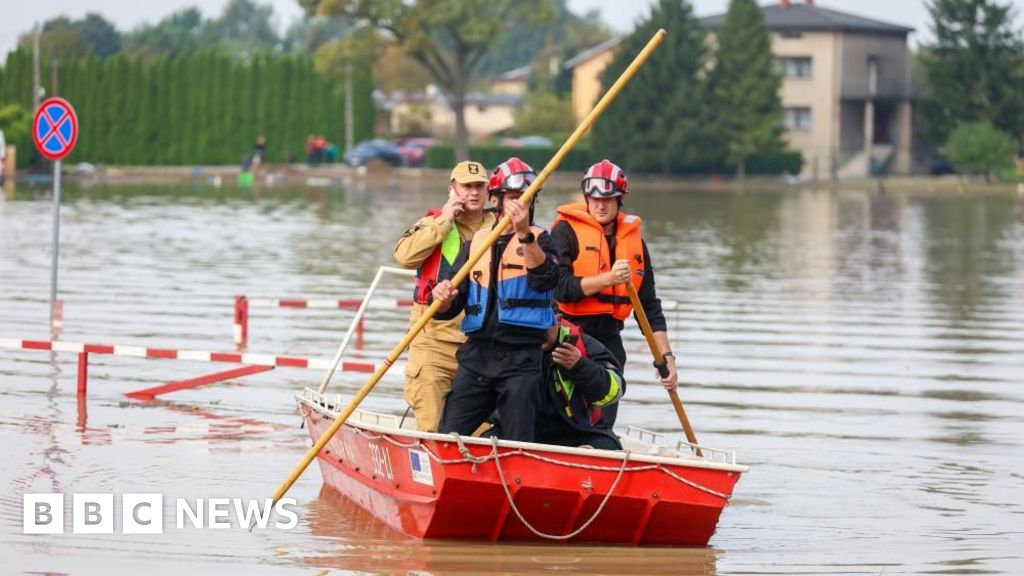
column 430, row 246
column 581, row 377
column 506, row 304
column 600, row 249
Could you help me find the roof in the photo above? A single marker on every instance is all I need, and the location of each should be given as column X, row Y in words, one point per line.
column 521, row 73
column 803, row 17
column 591, row 52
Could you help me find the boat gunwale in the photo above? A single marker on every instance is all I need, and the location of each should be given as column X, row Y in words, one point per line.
column 355, row 422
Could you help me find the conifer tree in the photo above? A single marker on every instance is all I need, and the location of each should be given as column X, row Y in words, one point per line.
column 654, row 125
column 975, row 67
column 744, row 86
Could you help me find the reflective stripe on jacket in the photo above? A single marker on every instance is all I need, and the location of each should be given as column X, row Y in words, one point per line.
column 595, row 257
column 518, row 304
column 577, row 407
column 438, row 264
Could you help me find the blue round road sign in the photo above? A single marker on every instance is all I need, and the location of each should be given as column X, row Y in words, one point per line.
column 55, row 129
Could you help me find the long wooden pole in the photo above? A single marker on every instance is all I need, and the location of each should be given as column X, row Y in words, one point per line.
column 474, row 256
column 659, row 362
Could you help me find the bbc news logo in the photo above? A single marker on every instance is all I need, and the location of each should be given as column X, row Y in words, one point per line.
column 144, row 513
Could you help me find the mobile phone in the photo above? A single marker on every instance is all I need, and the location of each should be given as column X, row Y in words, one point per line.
column 570, row 339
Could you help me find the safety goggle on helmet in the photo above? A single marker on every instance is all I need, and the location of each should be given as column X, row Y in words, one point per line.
column 513, row 175
column 605, row 180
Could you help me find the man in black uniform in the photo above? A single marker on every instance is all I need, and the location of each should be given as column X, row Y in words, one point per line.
column 507, row 301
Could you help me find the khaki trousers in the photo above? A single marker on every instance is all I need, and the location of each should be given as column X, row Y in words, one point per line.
column 428, row 377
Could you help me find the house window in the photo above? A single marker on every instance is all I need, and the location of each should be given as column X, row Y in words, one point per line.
column 797, row 118
column 794, row 66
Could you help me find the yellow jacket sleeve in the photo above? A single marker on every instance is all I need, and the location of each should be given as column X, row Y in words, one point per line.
column 418, row 242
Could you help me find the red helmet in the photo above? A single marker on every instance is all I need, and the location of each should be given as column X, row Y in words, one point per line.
column 513, row 175
column 605, row 180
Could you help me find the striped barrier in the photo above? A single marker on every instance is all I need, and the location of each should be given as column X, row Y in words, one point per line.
column 250, row 360
column 360, row 305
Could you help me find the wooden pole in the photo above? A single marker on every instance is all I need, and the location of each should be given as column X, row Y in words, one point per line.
column 660, row 363
column 474, row 256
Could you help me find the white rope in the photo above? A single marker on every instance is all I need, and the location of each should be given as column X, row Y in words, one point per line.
column 574, row 533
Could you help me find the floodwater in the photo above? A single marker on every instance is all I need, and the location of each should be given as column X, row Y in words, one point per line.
column 862, row 352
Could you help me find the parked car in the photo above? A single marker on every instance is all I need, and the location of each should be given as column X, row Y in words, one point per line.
column 535, row 142
column 526, row 142
column 939, row 165
column 376, row 149
column 414, row 150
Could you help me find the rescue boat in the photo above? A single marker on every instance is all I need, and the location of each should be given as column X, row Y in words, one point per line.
column 448, row 486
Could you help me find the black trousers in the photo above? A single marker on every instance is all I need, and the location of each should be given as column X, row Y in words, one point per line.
column 493, row 376
column 614, row 345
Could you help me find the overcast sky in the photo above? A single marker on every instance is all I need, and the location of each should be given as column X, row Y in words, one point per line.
column 17, row 16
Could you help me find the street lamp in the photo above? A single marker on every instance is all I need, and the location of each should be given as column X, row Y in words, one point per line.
column 348, row 90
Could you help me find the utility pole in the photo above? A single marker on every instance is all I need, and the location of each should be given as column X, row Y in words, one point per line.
column 348, row 107
column 36, row 88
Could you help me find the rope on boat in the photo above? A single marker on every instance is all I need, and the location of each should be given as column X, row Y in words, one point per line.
column 508, row 494
column 469, row 458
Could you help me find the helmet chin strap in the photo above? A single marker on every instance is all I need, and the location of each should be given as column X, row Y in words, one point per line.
column 497, row 209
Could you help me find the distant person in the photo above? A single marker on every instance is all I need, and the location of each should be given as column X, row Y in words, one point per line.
column 507, row 298
column 330, row 153
column 600, row 248
column 259, row 151
column 312, row 158
column 431, row 246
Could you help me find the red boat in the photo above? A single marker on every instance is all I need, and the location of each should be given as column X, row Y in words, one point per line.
column 445, row 486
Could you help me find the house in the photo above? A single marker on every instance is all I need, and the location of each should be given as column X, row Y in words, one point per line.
column 587, row 67
column 845, row 90
column 515, row 81
column 487, row 114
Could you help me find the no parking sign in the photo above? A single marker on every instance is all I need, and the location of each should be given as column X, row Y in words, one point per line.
column 55, row 128
column 55, row 132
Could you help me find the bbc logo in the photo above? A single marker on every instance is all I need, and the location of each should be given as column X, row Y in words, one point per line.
column 144, row 513
column 93, row 513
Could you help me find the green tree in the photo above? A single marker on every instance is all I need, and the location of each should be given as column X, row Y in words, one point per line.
column 448, row 37
column 242, row 29
column 547, row 114
column 975, row 67
column 745, row 86
column 658, row 124
column 979, row 148
column 175, row 35
column 15, row 123
column 100, row 34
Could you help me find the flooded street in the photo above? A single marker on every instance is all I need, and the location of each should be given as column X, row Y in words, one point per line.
column 862, row 353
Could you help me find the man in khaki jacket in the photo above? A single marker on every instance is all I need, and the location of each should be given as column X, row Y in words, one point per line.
column 431, row 246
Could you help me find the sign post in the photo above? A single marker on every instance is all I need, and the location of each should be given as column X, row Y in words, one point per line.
column 55, row 132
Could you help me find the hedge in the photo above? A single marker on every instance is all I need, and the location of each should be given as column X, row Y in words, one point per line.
column 579, row 159
column 443, row 156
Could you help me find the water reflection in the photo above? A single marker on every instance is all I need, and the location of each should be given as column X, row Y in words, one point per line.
column 352, row 539
column 862, row 351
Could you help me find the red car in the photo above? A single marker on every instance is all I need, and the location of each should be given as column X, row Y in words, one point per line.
column 414, row 150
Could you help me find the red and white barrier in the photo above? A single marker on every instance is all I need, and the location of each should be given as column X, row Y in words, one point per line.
column 250, row 360
column 360, row 305
column 201, row 356
column 377, row 303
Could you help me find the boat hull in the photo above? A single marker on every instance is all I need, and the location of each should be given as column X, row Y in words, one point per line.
column 435, row 486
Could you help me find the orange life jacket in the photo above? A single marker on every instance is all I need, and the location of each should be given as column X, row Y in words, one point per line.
column 595, row 257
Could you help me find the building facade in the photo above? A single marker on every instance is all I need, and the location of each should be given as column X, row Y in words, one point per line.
column 845, row 91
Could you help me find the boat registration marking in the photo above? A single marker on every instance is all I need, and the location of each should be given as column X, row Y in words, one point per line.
column 381, row 461
column 419, row 464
